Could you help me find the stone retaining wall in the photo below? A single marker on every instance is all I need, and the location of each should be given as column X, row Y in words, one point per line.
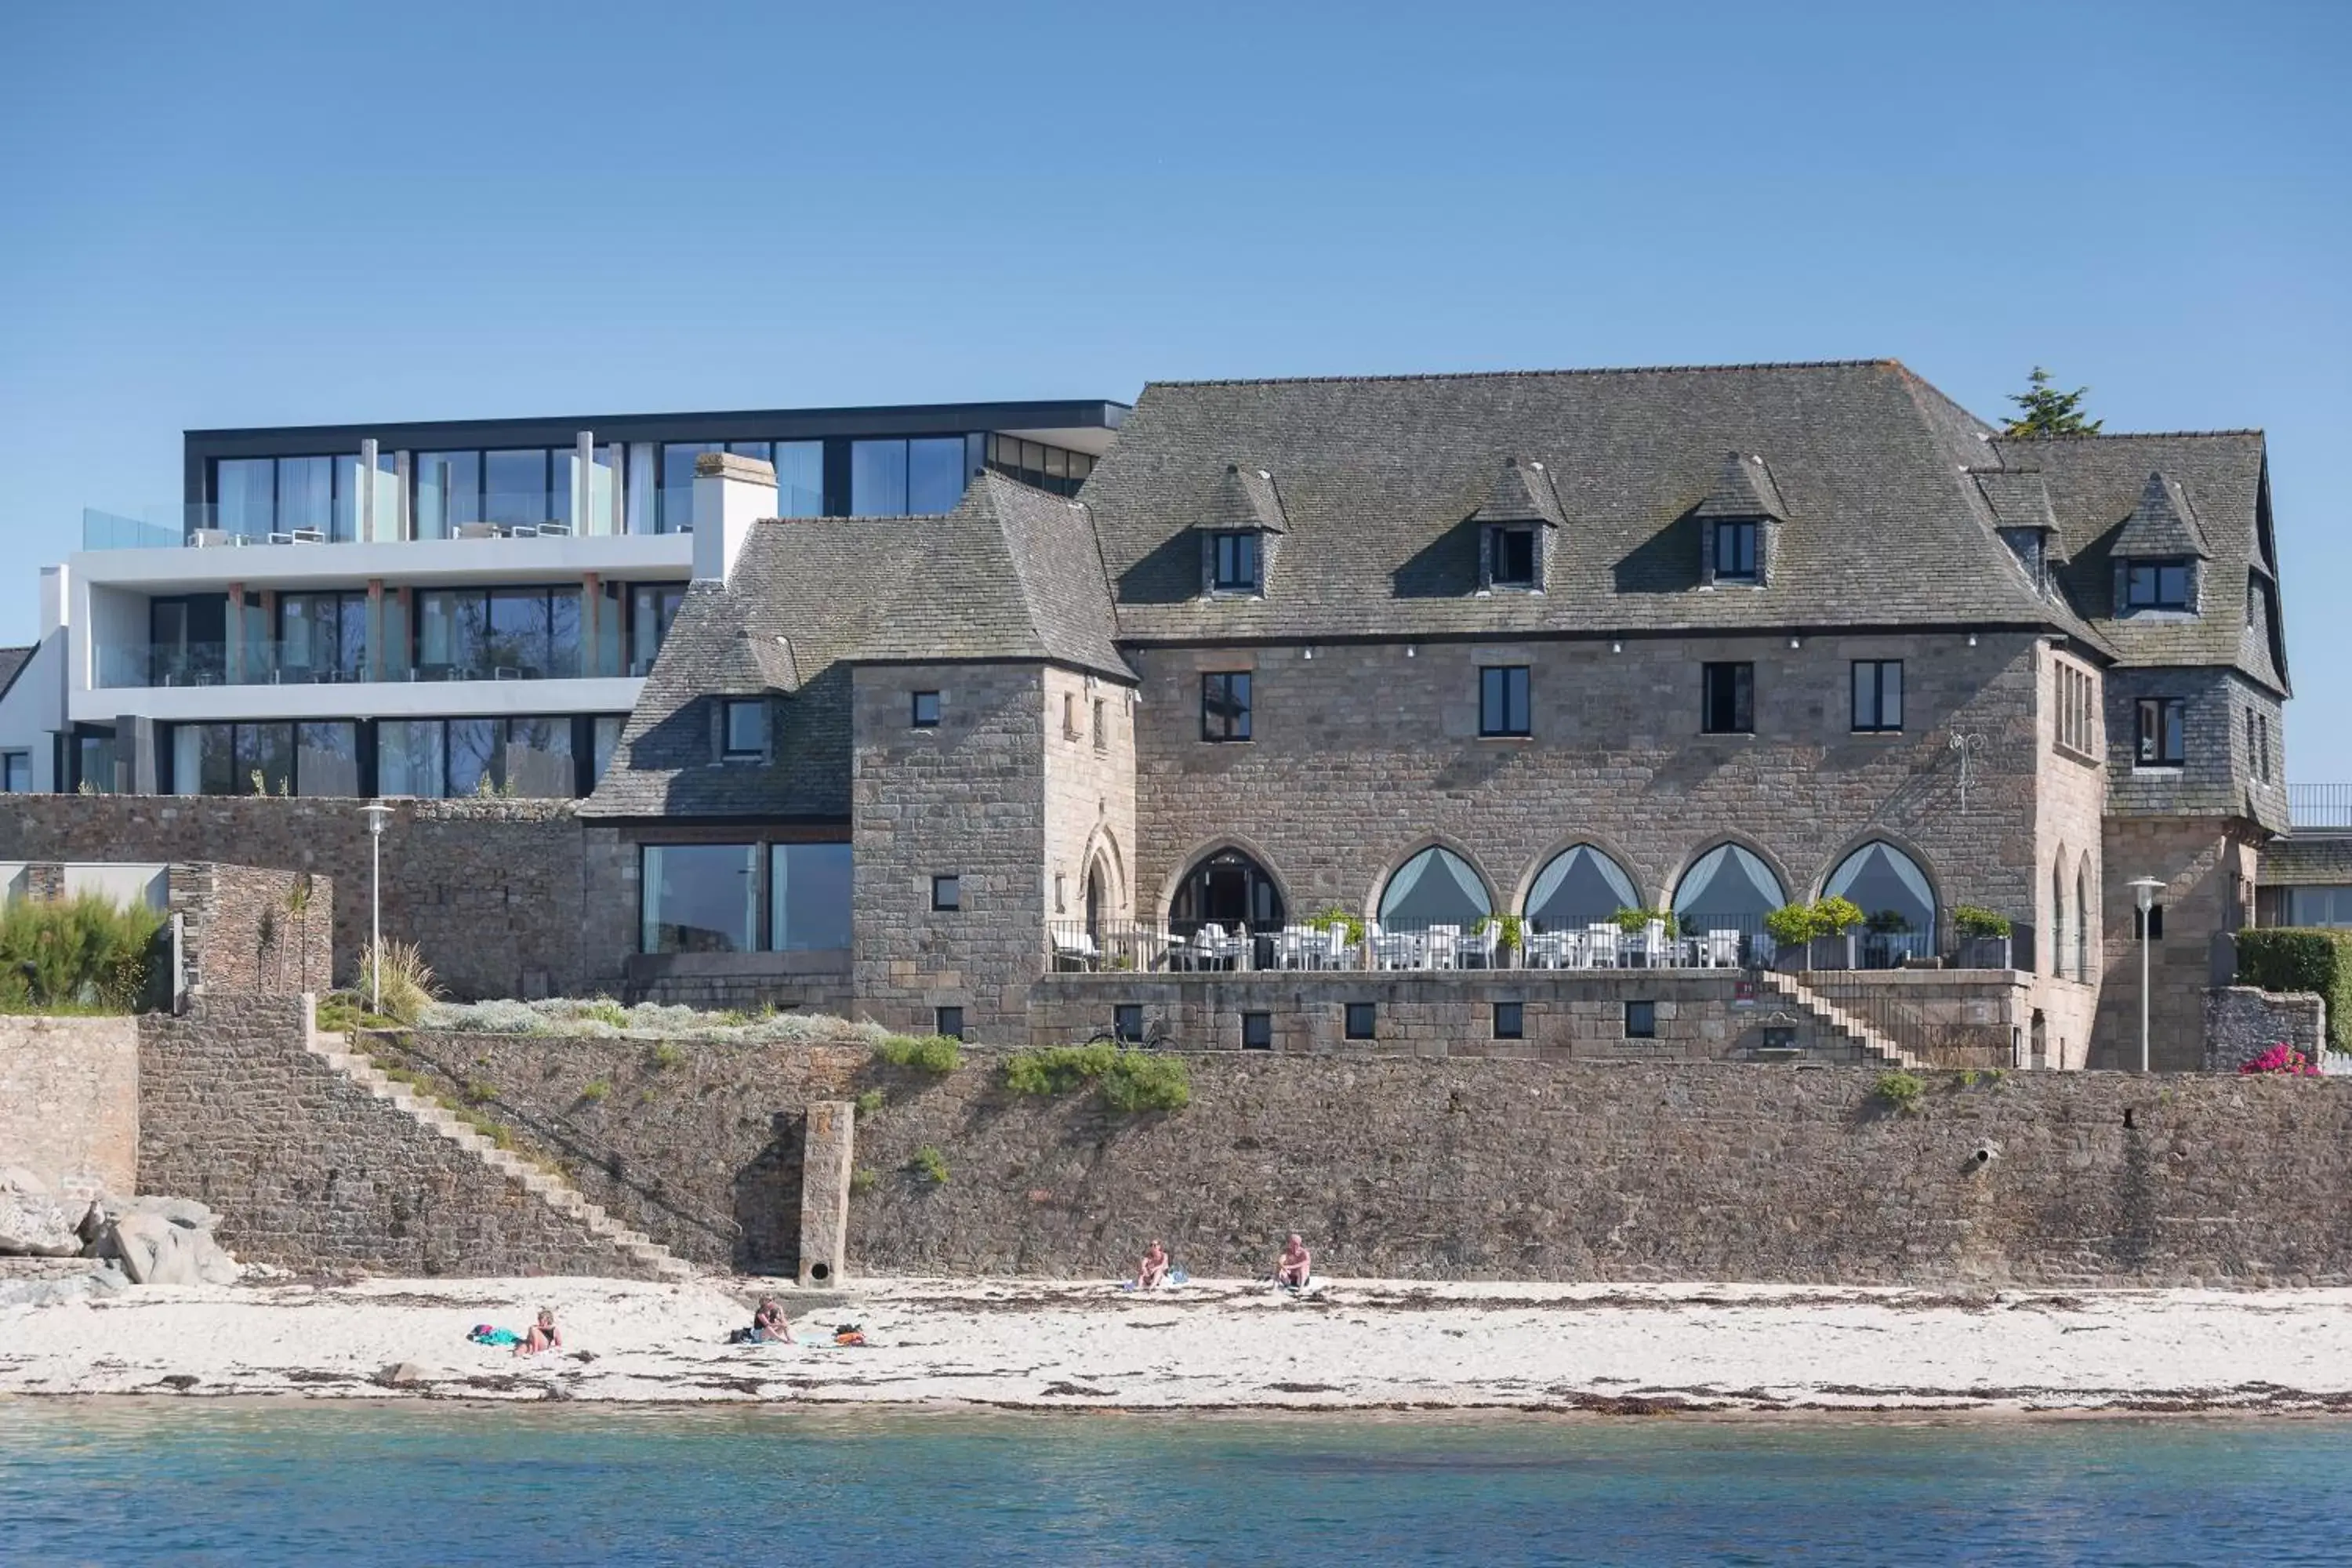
column 70, row 1102
column 1456, row 1167
column 307, row 1170
column 2241, row 1022
column 253, row 929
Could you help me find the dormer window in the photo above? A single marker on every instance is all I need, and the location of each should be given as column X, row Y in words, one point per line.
column 2155, row 585
column 1515, row 555
column 743, row 731
column 1735, row 551
column 1235, row 569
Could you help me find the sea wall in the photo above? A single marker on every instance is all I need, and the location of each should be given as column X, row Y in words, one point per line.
column 308, row 1170
column 70, row 1101
column 1442, row 1167
column 2241, row 1022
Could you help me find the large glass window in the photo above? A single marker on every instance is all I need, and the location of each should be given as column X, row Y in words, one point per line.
column 519, row 644
column 698, row 897
column 607, row 742
column 877, row 479
column 1033, row 463
column 649, row 619
column 506, row 634
column 1894, row 897
column 538, row 761
column 1436, row 887
column 808, row 896
column 411, row 757
column 306, row 496
column 322, row 636
column 515, row 487
column 327, row 759
column 1878, row 694
column 233, row 759
column 799, row 478
column 1226, row 889
column 1578, row 887
column 935, row 474
column 475, row 747
column 1225, row 706
column 677, row 510
column 2319, row 906
column 1729, row 886
column 448, row 492
column 246, row 491
column 2161, row 723
column 1503, row 700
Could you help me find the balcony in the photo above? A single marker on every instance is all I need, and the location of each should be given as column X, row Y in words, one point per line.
column 2326, row 806
column 148, row 666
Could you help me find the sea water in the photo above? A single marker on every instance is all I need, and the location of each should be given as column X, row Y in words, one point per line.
column 183, row 1481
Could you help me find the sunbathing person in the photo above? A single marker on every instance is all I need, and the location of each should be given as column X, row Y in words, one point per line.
column 543, row 1335
column 767, row 1325
column 1290, row 1271
column 1154, row 1268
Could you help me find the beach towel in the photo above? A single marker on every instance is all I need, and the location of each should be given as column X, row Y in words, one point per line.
column 483, row 1334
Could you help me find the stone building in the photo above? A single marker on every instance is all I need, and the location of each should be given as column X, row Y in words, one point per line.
column 1423, row 654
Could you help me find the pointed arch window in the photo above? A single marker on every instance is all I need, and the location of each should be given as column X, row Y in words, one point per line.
column 1898, row 904
column 1578, row 887
column 1436, row 887
column 1228, row 888
column 1727, row 887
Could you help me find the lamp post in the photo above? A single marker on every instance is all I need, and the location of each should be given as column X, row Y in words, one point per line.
column 2143, row 891
column 376, row 811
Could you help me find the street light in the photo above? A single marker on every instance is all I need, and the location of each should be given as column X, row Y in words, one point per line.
column 2143, row 891
column 376, row 811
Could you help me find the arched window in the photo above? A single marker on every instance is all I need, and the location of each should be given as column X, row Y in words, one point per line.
column 1436, row 887
column 1230, row 888
column 1577, row 888
column 1729, row 886
column 1895, row 901
column 2058, row 918
column 2083, row 923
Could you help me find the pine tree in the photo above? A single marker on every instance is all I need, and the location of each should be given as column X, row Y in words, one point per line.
column 2043, row 411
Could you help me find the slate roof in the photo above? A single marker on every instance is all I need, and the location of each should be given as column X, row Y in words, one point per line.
column 1743, row 489
column 2216, row 481
column 1012, row 573
column 2163, row 524
column 2308, row 860
column 1522, row 493
column 13, row 661
column 1382, row 480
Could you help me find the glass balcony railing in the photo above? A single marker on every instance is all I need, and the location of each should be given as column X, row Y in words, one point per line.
column 282, row 663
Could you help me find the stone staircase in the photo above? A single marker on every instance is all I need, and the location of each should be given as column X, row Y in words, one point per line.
column 1872, row 1045
column 544, row 1184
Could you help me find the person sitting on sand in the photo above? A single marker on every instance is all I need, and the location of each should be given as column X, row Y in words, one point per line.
column 767, row 1325
column 1154, row 1270
column 542, row 1336
column 1290, row 1271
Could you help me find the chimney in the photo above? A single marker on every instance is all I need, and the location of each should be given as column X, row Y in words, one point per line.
column 730, row 494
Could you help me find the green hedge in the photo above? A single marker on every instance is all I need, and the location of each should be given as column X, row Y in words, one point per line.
column 2293, row 958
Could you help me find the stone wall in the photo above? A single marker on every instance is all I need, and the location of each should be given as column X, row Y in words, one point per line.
column 505, row 897
column 1089, row 797
column 70, row 1101
column 309, row 1171
column 1965, row 1016
column 253, row 929
column 2208, row 869
column 2241, row 1022
column 1362, row 753
column 1460, row 1166
column 961, row 798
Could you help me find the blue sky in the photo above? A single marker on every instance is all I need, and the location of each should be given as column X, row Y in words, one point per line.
column 243, row 213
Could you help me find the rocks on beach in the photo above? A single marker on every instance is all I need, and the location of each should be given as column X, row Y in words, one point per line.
column 145, row 1240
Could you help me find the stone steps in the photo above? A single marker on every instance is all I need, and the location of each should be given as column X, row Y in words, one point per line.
column 547, row 1187
column 1872, row 1045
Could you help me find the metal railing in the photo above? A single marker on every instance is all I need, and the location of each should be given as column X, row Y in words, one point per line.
column 282, row 662
column 1197, row 947
column 2320, row 804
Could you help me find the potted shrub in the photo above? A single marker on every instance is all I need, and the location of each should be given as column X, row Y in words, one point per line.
column 1793, row 930
column 1835, row 920
column 1332, row 918
column 1983, row 936
column 1510, row 934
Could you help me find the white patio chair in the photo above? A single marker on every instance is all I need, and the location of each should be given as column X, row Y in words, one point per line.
column 1296, row 947
column 1395, row 948
column 1478, row 949
column 1601, row 945
column 1444, row 947
column 1722, row 950
column 1652, row 945
column 1545, row 950
column 1333, row 952
column 1075, row 946
column 1217, row 947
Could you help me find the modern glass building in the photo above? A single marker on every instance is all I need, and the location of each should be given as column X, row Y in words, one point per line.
column 453, row 607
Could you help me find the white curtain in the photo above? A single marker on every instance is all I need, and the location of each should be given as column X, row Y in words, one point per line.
column 1435, row 887
column 1584, row 863
column 1745, row 878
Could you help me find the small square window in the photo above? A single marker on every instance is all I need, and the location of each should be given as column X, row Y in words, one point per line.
column 1641, row 1020
column 1878, row 694
column 1257, row 1031
column 746, row 729
column 1235, row 567
column 1727, row 698
column 2155, row 585
column 1503, row 700
column 1514, row 563
column 1510, row 1021
column 1126, row 1022
column 2151, row 927
column 1363, row 1020
column 2162, row 720
column 948, row 1021
column 947, row 892
column 1779, row 1037
column 1225, row 706
column 926, row 710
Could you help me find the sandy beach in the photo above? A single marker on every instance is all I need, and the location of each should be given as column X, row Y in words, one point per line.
column 1352, row 1344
